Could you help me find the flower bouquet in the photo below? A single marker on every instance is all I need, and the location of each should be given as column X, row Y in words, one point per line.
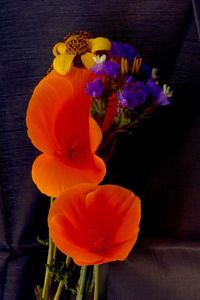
column 94, row 90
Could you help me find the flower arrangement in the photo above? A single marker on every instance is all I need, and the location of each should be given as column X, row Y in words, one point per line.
column 94, row 89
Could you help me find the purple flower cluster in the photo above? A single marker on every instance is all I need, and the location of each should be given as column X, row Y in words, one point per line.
column 135, row 93
column 128, row 77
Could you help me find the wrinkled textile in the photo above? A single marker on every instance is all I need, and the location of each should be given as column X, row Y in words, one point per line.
column 161, row 163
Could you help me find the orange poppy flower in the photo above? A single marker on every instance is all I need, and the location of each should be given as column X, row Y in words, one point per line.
column 95, row 224
column 60, row 126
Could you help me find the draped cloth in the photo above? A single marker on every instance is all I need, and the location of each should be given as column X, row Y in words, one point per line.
column 161, row 163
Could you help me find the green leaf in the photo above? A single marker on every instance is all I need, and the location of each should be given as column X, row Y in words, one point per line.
column 42, row 242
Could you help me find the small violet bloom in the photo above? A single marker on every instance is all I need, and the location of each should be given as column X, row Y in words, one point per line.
column 109, row 68
column 122, row 50
column 121, row 99
column 157, row 93
column 133, row 94
column 95, row 88
column 98, row 68
column 162, row 99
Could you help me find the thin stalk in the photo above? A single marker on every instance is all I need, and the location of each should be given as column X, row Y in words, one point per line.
column 53, row 263
column 91, row 288
column 81, row 283
column 96, row 282
column 61, row 283
column 68, row 259
column 50, row 260
column 59, row 290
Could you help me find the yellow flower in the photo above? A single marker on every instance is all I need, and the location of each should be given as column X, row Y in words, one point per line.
column 78, row 48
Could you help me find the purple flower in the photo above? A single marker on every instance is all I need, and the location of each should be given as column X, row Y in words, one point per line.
column 122, row 50
column 95, row 88
column 162, row 99
column 121, row 99
column 153, row 88
column 109, row 68
column 157, row 93
column 133, row 94
column 98, row 68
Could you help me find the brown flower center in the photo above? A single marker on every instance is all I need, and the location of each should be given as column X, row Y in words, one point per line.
column 77, row 43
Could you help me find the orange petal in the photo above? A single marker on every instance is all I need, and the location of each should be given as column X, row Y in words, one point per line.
column 80, row 77
column 64, row 233
column 122, row 202
column 72, row 123
column 119, row 251
column 95, row 224
column 53, row 176
column 64, row 222
column 95, row 135
column 53, row 96
column 45, row 104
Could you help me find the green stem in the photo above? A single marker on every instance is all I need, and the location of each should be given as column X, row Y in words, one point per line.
column 53, row 263
column 81, row 283
column 59, row 290
column 96, row 282
column 61, row 283
column 50, row 261
column 91, row 288
column 68, row 259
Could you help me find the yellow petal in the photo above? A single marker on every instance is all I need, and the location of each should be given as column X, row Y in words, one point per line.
column 62, row 63
column 59, row 48
column 99, row 44
column 88, row 60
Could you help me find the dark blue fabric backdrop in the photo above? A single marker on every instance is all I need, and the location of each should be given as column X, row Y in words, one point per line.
column 161, row 164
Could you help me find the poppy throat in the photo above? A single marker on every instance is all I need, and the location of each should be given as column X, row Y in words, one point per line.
column 70, row 153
